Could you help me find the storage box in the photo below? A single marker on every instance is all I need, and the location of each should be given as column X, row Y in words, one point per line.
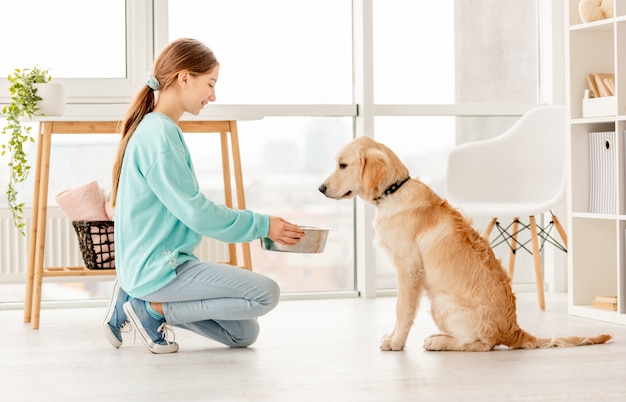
column 599, row 107
column 602, row 172
column 96, row 243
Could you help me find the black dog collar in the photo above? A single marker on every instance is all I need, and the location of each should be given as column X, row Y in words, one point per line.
column 392, row 189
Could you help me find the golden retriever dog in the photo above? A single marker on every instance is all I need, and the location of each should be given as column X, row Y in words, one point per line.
column 435, row 250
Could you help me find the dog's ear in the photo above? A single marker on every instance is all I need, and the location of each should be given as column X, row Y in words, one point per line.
column 373, row 172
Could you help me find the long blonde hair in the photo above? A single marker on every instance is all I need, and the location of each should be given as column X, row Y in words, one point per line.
column 181, row 54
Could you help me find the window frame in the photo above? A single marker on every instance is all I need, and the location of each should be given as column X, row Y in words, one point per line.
column 146, row 25
column 139, row 53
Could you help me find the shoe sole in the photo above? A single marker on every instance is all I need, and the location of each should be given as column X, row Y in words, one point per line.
column 110, row 336
column 143, row 335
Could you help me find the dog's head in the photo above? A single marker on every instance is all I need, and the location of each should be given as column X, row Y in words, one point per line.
column 365, row 168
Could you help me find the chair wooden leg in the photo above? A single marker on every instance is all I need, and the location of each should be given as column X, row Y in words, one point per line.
column 537, row 260
column 489, row 228
column 560, row 229
column 513, row 245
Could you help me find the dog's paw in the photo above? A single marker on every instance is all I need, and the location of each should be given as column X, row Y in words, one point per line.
column 391, row 343
column 435, row 343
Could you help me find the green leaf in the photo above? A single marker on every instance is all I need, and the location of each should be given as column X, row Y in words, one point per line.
column 23, row 103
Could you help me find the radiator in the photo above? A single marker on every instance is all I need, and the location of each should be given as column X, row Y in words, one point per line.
column 62, row 249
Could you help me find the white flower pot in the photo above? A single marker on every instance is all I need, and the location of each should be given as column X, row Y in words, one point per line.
column 53, row 99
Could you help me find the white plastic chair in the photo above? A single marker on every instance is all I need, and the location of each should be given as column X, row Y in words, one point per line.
column 520, row 173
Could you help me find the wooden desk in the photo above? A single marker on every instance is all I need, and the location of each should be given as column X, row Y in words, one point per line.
column 37, row 241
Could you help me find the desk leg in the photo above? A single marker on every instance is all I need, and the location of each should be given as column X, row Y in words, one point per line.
column 42, row 211
column 228, row 191
column 241, row 202
column 30, row 267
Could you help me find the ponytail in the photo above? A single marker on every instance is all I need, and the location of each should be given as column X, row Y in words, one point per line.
column 142, row 105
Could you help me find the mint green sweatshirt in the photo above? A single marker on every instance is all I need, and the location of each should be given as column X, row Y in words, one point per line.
column 160, row 213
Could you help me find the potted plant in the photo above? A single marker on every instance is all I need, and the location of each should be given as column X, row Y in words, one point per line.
column 25, row 98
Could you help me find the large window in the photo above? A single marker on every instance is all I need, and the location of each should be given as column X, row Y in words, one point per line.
column 449, row 52
column 267, row 58
column 273, row 51
column 414, row 51
column 99, row 49
column 292, row 64
column 73, row 38
column 284, row 160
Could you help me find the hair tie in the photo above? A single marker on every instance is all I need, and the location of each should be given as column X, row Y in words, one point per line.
column 153, row 83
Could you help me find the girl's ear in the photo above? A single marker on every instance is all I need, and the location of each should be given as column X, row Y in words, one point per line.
column 183, row 77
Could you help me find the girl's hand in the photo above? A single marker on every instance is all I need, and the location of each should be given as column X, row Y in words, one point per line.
column 284, row 232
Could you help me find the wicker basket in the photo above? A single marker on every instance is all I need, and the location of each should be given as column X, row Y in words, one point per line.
column 96, row 243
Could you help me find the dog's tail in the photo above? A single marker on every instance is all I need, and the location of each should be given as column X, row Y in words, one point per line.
column 527, row 341
column 569, row 341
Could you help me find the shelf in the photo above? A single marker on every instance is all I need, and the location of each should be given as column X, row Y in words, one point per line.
column 601, row 25
column 593, row 215
column 587, row 311
column 76, row 271
column 597, row 252
column 603, row 119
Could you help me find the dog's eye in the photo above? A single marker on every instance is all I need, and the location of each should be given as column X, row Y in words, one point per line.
column 343, row 165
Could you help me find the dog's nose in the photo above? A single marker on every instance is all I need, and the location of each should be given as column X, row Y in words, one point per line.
column 322, row 188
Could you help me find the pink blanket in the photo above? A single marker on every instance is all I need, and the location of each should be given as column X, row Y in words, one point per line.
column 85, row 203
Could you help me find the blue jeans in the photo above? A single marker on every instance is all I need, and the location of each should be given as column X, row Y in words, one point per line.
column 218, row 301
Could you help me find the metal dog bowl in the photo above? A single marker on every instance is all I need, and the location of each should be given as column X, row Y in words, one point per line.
column 314, row 241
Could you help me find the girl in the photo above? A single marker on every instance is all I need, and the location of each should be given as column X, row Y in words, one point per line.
column 160, row 216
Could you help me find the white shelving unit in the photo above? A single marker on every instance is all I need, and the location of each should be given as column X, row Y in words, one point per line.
column 597, row 251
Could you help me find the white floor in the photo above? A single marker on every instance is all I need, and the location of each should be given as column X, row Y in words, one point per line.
column 309, row 350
